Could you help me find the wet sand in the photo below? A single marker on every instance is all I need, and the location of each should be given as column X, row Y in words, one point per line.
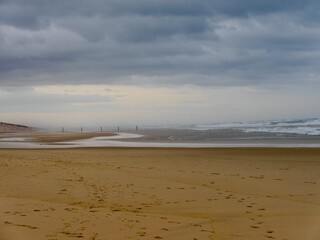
column 46, row 137
column 126, row 193
column 155, row 139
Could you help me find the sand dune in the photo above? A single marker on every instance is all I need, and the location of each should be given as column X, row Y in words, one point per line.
column 13, row 128
column 123, row 193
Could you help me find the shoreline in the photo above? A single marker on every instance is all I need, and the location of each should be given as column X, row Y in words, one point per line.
column 141, row 139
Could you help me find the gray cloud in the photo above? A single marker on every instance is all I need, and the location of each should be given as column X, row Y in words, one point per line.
column 30, row 101
column 159, row 42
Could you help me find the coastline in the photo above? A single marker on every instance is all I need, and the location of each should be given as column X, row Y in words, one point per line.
column 169, row 138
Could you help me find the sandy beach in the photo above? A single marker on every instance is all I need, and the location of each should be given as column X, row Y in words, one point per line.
column 137, row 193
column 159, row 120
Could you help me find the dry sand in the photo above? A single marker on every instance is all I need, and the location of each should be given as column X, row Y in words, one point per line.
column 122, row 193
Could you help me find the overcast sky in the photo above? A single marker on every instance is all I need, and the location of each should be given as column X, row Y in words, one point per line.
column 158, row 62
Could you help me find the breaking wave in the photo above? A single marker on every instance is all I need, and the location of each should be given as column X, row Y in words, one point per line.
column 308, row 126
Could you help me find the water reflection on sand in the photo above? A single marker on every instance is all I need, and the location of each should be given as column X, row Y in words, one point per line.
column 119, row 141
column 24, row 142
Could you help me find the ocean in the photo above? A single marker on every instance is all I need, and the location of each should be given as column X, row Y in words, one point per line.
column 306, row 126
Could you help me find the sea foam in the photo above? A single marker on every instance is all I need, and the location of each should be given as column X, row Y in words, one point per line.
column 308, row 126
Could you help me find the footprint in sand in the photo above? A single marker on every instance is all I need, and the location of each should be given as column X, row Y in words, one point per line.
column 210, row 231
column 310, row 182
column 269, row 236
column 141, row 234
column 254, row 226
column 19, row 225
column 278, row 179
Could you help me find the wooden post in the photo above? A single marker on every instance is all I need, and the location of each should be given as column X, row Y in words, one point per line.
column 81, row 130
column 136, row 128
column 118, row 129
column 62, row 130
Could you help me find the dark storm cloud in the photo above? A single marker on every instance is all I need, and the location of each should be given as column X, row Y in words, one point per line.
column 159, row 41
